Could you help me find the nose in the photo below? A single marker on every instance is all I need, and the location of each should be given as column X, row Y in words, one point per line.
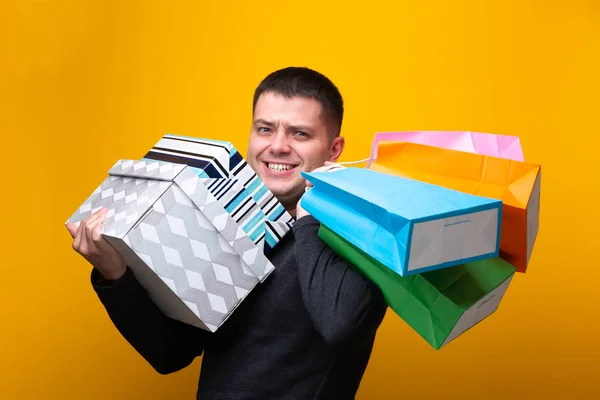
column 280, row 144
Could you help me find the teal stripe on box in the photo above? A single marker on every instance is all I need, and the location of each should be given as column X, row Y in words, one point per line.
column 277, row 213
column 254, row 186
column 258, row 231
column 257, row 219
column 263, row 191
column 238, row 200
column 250, row 219
column 271, row 240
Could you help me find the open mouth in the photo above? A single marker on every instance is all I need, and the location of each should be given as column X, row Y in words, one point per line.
column 279, row 168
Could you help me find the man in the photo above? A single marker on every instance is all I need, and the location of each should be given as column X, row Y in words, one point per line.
column 307, row 332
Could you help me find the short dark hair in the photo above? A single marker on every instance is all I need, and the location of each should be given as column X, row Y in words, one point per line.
column 307, row 83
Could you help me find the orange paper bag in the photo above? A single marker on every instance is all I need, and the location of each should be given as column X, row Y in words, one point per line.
column 516, row 183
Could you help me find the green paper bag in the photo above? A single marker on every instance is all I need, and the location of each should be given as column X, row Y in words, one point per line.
column 439, row 305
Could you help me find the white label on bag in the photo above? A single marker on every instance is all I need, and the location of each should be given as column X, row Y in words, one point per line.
column 480, row 310
column 453, row 239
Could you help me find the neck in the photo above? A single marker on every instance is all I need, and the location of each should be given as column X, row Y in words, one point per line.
column 290, row 206
column 290, row 203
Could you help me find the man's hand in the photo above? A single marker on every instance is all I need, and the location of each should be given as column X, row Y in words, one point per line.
column 329, row 166
column 88, row 242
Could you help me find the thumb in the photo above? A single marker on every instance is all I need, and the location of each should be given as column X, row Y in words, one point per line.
column 72, row 228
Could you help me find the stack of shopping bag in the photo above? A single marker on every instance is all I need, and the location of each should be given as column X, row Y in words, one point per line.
column 440, row 221
column 194, row 223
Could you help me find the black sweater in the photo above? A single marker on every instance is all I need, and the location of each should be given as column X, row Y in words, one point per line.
column 305, row 333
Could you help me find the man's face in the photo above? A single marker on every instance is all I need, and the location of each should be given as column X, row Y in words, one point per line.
column 289, row 135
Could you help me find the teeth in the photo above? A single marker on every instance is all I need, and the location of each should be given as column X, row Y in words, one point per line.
column 278, row 167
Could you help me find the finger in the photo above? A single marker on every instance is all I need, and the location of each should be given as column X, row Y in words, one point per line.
column 97, row 233
column 98, row 216
column 331, row 167
column 99, row 240
column 91, row 220
column 72, row 228
column 100, row 245
column 308, row 185
column 77, row 241
column 89, row 231
column 86, row 245
column 80, row 239
column 83, row 227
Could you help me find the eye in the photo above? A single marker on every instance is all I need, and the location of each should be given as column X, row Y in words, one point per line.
column 263, row 129
column 302, row 134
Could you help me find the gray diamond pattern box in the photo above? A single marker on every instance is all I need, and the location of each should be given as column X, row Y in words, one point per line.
column 195, row 261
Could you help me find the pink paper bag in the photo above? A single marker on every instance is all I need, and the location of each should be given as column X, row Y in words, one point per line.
column 473, row 142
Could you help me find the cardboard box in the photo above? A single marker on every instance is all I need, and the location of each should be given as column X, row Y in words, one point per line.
column 439, row 305
column 516, row 183
column 233, row 182
column 488, row 144
column 407, row 225
column 182, row 245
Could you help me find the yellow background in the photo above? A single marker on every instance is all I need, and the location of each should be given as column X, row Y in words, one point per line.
column 84, row 83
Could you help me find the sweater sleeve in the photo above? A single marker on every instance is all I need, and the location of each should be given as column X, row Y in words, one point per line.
column 345, row 307
column 166, row 344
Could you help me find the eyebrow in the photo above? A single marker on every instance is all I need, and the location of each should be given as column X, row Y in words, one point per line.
column 261, row 121
column 295, row 128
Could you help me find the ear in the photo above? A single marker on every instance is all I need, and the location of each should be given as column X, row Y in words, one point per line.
column 336, row 149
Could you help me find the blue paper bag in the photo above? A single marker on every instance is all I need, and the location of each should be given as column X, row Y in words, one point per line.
column 407, row 225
